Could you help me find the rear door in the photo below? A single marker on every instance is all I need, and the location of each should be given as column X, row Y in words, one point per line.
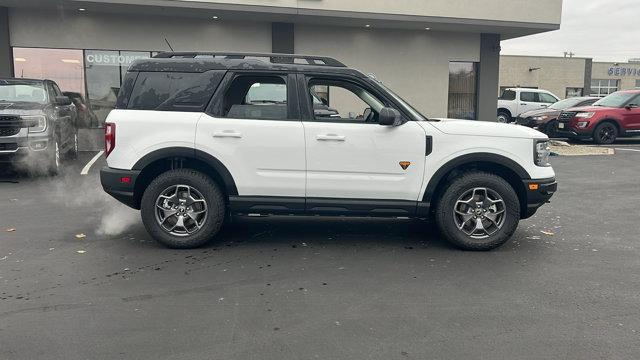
column 349, row 155
column 253, row 127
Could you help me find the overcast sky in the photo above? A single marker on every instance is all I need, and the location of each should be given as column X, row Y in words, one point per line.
column 605, row 30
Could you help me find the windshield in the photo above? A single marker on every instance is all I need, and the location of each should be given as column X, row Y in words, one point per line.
column 565, row 104
column 415, row 113
column 617, row 99
column 13, row 92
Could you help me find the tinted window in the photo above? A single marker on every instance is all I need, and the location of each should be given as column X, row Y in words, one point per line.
column 170, row 91
column 528, row 96
column 256, row 97
column 508, row 95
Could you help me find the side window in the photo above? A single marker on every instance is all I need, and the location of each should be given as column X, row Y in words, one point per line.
column 256, row 97
column 508, row 95
column 528, row 96
column 635, row 102
column 170, row 91
column 56, row 89
column 51, row 92
column 546, row 98
column 338, row 100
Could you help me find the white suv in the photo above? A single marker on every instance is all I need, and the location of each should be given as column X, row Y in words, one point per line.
column 196, row 137
column 515, row 101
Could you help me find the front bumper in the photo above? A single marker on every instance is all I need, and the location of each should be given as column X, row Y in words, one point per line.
column 123, row 191
column 528, row 122
column 538, row 195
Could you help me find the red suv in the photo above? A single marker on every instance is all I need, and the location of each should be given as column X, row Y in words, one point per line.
column 611, row 117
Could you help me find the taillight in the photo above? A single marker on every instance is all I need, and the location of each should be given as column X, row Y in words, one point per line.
column 109, row 138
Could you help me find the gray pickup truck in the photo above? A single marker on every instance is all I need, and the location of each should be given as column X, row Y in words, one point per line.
column 37, row 125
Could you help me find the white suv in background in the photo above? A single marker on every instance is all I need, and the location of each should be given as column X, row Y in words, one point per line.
column 199, row 136
column 515, row 101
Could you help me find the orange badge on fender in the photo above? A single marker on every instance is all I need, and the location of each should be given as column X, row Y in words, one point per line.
column 405, row 164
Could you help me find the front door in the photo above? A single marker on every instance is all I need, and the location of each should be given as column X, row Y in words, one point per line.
column 254, row 130
column 631, row 115
column 349, row 155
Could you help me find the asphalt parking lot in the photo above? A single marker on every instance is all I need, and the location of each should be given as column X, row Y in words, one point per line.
column 567, row 285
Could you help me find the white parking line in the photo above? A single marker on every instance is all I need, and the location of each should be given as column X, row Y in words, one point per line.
column 625, row 149
column 86, row 168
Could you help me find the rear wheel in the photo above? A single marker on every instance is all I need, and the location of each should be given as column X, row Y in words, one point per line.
column 183, row 208
column 478, row 211
column 504, row 117
column 605, row 133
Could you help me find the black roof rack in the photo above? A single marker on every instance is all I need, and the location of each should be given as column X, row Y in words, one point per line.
column 272, row 58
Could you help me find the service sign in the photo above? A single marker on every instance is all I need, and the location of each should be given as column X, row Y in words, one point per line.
column 624, row 71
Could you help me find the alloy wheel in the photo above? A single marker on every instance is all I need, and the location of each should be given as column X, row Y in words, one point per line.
column 606, row 134
column 479, row 212
column 181, row 210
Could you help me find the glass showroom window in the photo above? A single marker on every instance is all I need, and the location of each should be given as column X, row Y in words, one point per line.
column 64, row 66
column 104, row 71
column 573, row 92
column 637, row 83
column 604, row 87
column 463, row 78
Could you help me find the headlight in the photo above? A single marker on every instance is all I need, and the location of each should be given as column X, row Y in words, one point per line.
column 39, row 123
column 540, row 118
column 582, row 124
column 585, row 115
column 542, row 153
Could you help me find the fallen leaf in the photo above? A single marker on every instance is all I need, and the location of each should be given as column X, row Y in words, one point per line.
column 547, row 233
column 10, row 230
column 80, row 236
column 81, row 251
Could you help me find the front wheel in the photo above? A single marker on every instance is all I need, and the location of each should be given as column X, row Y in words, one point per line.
column 183, row 209
column 605, row 133
column 478, row 211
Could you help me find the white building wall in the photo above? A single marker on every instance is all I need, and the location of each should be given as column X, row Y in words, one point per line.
column 415, row 64
column 53, row 29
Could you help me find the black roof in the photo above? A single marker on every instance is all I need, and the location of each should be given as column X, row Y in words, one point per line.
column 206, row 61
column 22, row 80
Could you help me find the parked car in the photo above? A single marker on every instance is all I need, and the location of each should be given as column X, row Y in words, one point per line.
column 188, row 158
column 546, row 119
column 616, row 115
column 515, row 101
column 37, row 124
column 86, row 118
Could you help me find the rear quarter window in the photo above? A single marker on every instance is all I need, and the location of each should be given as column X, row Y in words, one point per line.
column 508, row 95
column 172, row 91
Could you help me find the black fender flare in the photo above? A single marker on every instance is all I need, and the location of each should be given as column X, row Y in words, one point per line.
column 470, row 159
column 184, row 152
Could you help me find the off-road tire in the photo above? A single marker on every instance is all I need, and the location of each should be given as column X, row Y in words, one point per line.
column 503, row 115
column 551, row 128
column 469, row 180
column 202, row 183
column 53, row 159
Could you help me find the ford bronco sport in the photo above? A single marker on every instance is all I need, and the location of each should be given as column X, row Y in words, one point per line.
column 197, row 136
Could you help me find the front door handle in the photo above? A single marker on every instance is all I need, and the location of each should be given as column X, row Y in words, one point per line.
column 227, row 134
column 330, row 137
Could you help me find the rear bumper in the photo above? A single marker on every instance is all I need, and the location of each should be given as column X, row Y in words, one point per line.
column 113, row 184
column 540, row 196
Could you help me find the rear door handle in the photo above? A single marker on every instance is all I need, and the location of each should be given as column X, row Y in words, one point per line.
column 227, row 134
column 330, row 137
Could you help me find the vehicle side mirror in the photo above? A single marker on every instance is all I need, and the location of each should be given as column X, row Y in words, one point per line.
column 390, row 117
column 63, row 100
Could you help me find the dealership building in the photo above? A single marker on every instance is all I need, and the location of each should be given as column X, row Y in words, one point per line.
column 568, row 76
column 442, row 56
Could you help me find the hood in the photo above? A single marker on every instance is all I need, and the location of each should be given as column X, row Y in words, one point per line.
column 485, row 128
column 540, row 112
column 591, row 108
column 10, row 106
